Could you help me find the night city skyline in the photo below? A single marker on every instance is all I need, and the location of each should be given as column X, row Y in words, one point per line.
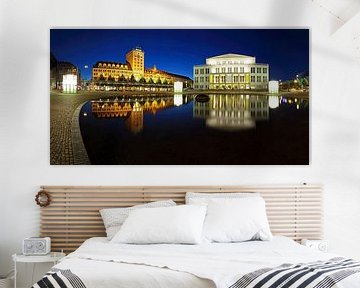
column 285, row 50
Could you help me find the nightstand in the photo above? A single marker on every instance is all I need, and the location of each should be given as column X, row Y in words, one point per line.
column 320, row 245
column 53, row 257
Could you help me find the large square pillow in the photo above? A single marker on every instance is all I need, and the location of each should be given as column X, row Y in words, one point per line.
column 236, row 220
column 172, row 225
column 113, row 218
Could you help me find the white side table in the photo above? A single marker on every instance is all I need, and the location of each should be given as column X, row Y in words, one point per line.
column 53, row 257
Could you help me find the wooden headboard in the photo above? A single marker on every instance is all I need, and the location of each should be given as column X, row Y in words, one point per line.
column 73, row 214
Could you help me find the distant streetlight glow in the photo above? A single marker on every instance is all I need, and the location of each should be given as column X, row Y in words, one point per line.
column 69, row 83
column 273, row 86
column 178, row 87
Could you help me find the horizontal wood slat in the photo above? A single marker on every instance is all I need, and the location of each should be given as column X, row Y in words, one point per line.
column 73, row 216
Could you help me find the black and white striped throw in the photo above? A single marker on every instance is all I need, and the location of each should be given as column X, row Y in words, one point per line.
column 320, row 274
column 59, row 278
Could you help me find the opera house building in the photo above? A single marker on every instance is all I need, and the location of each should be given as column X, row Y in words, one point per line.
column 231, row 71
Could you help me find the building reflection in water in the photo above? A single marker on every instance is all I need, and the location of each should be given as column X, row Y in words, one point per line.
column 133, row 109
column 232, row 112
column 135, row 122
column 221, row 111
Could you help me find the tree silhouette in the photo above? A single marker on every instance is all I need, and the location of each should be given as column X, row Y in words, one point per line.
column 122, row 78
column 110, row 79
column 101, row 79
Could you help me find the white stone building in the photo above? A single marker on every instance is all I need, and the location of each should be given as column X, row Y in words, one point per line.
column 233, row 72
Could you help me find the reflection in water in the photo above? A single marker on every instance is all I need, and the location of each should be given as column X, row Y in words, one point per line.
column 153, row 129
column 132, row 109
column 274, row 102
column 233, row 112
column 135, row 122
column 178, row 100
column 220, row 111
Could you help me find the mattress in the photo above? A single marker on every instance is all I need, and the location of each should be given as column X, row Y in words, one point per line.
column 99, row 263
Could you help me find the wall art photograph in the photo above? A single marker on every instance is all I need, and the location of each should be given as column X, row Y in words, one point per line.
column 179, row 96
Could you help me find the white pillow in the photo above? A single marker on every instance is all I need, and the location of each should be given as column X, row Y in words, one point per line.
column 113, row 218
column 203, row 198
column 180, row 224
column 236, row 220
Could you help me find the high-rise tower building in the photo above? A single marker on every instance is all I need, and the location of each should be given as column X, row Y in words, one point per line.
column 135, row 58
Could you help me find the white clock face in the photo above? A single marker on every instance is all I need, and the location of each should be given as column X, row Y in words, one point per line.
column 322, row 247
column 40, row 245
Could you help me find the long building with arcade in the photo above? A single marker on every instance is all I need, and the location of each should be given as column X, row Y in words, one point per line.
column 132, row 75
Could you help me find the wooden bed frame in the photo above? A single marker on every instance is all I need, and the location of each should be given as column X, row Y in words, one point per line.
column 73, row 215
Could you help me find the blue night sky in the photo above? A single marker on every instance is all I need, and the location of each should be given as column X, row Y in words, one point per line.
column 177, row 50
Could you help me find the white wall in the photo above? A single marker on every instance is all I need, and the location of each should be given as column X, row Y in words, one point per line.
column 24, row 108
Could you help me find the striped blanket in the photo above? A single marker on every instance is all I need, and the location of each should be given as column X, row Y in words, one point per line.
column 59, row 278
column 320, row 274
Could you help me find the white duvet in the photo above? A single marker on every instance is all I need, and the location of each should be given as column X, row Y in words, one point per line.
column 100, row 263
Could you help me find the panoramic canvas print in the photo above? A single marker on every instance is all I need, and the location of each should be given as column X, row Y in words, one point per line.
column 179, row 96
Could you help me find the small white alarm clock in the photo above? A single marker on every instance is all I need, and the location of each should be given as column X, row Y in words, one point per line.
column 320, row 245
column 36, row 246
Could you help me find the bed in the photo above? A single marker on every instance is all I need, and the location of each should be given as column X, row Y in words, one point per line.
column 99, row 263
column 294, row 211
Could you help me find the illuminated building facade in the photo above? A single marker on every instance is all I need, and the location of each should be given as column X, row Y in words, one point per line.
column 135, row 58
column 133, row 75
column 60, row 68
column 231, row 71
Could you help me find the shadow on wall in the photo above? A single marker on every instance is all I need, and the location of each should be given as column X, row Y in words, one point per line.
column 295, row 16
column 181, row 7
